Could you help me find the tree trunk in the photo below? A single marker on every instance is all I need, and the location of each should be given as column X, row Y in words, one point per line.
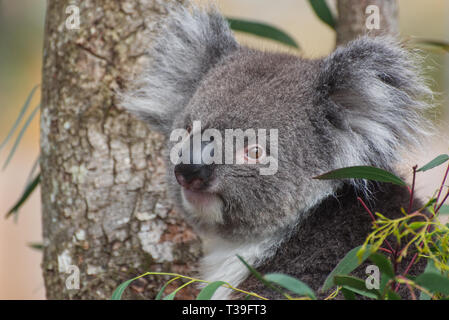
column 104, row 203
column 352, row 18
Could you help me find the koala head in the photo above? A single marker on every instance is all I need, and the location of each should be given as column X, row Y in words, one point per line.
column 357, row 106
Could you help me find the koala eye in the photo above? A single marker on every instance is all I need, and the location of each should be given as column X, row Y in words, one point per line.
column 254, row 152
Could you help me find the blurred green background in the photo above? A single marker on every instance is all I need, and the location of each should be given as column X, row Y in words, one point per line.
column 21, row 37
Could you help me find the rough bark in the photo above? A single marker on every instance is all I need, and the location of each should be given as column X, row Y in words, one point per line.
column 104, row 202
column 352, row 19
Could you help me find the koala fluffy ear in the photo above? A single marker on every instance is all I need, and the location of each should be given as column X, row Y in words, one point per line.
column 374, row 97
column 190, row 43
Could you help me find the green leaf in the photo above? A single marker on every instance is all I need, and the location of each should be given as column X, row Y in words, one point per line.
column 362, row 172
column 258, row 276
column 33, row 171
column 208, row 291
column 384, row 264
column 442, row 158
column 323, row 12
column 117, row 294
column 172, row 295
column 29, row 189
column 430, row 268
column 19, row 118
column 435, row 43
column 356, row 285
column 444, row 209
column 416, row 225
column 20, row 135
column 292, row 284
column 159, row 294
column 346, row 265
column 262, row 30
column 435, row 283
column 36, row 246
column 349, row 295
column 391, row 295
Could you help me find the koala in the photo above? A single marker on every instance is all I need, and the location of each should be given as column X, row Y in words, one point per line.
column 361, row 105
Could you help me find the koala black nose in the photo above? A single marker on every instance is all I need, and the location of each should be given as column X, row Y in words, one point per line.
column 195, row 177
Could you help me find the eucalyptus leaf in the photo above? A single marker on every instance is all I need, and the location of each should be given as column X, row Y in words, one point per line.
column 346, row 265
column 20, row 117
column 430, row 268
column 208, row 291
column 384, row 264
column 29, row 189
column 118, row 292
column 356, row 285
column 323, row 12
column 348, row 294
column 434, row 282
column 292, row 284
column 20, row 135
column 435, row 43
column 262, row 30
column 159, row 294
column 442, row 158
column 362, row 172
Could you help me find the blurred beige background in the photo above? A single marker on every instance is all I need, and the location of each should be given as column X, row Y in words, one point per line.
column 21, row 34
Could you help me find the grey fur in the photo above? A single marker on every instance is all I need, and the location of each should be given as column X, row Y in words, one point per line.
column 358, row 106
column 190, row 43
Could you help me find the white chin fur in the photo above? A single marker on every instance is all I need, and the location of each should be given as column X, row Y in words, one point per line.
column 209, row 211
column 220, row 262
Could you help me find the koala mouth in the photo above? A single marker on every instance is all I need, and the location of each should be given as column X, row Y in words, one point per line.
column 199, row 198
column 206, row 206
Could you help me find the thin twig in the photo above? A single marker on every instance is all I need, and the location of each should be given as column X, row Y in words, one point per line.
column 413, row 190
column 441, row 188
column 374, row 221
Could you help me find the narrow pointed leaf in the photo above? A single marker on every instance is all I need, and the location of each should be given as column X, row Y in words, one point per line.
column 172, row 295
column 346, row 265
column 442, row 158
column 25, row 195
column 434, row 282
column 362, row 172
column 32, row 171
column 391, row 295
column 20, row 135
column 430, row 268
column 349, row 295
column 292, row 284
column 257, row 275
column 262, row 30
column 159, row 294
column 208, row 291
column 19, row 118
column 118, row 292
column 356, row 285
column 323, row 12
column 384, row 264
column 36, row 246
column 435, row 43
